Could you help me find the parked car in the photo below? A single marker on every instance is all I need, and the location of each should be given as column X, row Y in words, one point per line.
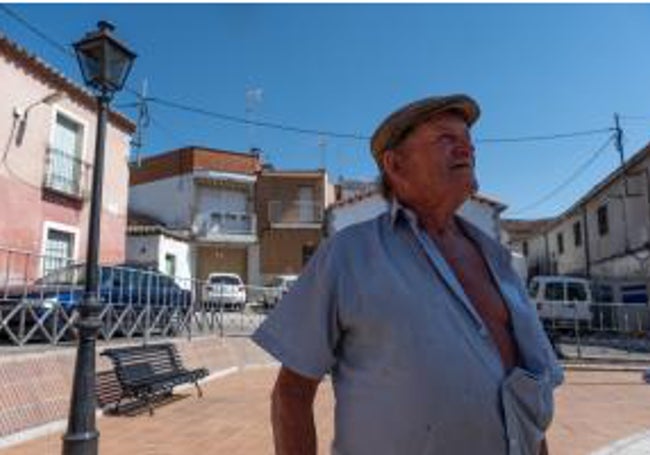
column 129, row 289
column 276, row 288
column 225, row 290
column 562, row 301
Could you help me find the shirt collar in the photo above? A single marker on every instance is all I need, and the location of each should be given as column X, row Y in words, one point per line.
column 397, row 210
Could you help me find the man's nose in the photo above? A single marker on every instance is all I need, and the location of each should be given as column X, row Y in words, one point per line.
column 464, row 150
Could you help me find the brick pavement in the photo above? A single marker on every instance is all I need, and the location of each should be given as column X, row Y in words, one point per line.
column 593, row 410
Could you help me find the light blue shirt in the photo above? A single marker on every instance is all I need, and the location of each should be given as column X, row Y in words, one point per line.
column 414, row 368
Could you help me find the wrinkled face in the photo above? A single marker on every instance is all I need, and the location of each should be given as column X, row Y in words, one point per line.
column 434, row 164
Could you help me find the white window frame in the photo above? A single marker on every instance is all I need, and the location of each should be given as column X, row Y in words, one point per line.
column 76, row 119
column 83, row 131
column 53, row 225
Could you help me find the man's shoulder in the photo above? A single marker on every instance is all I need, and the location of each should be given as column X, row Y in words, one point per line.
column 362, row 231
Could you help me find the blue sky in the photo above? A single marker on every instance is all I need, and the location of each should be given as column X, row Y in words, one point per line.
column 535, row 70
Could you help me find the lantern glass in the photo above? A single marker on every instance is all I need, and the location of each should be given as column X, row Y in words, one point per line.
column 118, row 64
column 105, row 62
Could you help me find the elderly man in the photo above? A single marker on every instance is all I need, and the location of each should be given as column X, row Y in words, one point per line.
column 427, row 332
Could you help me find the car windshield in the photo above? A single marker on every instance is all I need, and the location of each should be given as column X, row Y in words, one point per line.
column 576, row 291
column 74, row 274
column 225, row 280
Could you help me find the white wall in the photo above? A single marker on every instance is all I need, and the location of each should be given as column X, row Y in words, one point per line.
column 152, row 249
column 355, row 212
column 215, row 199
column 481, row 214
column 168, row 200
column 603, row 249
column 142, row 249
column 182, row 252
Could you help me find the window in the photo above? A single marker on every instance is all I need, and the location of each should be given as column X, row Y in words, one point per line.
column 307, row 252
column 170, row 264
column 603, row 293
column 577, row 234
column 576, row 292
column 560, row 243
column 603, row 223
column 64, row 166
column 634, row 294
column 554, row 291
column 59, row 247
column 524, row 247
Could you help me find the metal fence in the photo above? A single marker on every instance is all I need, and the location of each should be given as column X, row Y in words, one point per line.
column 135, row 302
column 598, row 331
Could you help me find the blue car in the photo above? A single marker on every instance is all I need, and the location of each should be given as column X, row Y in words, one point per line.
column 131, row 296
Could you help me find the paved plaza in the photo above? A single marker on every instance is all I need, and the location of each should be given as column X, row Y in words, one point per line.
column 603, row 412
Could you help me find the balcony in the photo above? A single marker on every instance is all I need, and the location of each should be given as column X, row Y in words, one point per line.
column 66, row 174
column 236, row 227
column 295, row 214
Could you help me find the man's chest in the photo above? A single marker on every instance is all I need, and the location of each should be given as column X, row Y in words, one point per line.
column 473, row 273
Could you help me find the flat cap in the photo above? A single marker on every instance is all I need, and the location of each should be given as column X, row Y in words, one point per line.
column 394, row 128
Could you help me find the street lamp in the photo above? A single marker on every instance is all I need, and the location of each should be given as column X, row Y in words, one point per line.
column 105, row 63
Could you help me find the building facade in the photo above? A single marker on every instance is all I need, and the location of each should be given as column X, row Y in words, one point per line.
column 47, row 132
column 604, row 236
column 291, row 207
column 480, row 210
column 206, row 196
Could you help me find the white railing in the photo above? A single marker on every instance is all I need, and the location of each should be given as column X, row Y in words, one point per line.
column 219, row 224
column 295, row 212
column 66, row 173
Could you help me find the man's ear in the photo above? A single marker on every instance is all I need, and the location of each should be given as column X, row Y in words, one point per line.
column 391, row 164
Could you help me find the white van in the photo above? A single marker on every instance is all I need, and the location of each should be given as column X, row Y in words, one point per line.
column 562, row 300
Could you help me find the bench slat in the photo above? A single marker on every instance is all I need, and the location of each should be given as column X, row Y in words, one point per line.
column 144, row 371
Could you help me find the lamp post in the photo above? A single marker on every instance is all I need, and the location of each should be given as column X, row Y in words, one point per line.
column 105, row 64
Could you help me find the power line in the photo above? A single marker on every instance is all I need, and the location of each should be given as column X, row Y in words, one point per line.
column 274, row 125
column 244, row 121
column 54, row 43
column 62, row 48
column 546, row 137
column 583, row 167
column 356, row 136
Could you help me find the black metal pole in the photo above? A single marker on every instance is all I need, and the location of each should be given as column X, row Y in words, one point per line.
column 82, row 437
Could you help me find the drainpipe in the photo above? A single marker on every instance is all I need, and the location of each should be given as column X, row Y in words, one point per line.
column 547, row 254
column 586, row 242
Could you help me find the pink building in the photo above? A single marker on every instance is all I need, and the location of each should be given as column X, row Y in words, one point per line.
column 47, row 142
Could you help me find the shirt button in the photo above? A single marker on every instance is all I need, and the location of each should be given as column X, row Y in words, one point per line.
column 483, row 332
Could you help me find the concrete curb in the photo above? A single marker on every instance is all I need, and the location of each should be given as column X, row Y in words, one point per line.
column 59, row 426
column 637, row 444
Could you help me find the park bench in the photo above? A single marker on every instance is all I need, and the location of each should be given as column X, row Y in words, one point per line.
column 149, row 371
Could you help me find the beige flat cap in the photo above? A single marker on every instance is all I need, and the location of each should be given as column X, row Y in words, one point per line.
column 392, row 130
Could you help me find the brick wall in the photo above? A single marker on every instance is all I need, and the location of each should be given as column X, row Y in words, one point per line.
column 281, row 250
column 283, row 188
column 35, row 387
column 186, row 160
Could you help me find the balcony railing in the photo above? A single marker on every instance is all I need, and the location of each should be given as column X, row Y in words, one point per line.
column 295, row 212
column 218, row 225
column 66, row 173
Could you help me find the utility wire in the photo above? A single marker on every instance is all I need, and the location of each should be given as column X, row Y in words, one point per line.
column 273, row 125
column 244, row 121
column 356, row 136
column 546, row 137
column 583, row 167
column 62, row 48
column 67, row 50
